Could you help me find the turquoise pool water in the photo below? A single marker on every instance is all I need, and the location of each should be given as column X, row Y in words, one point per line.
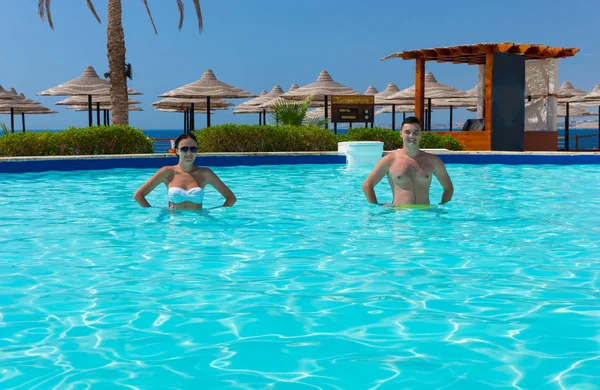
column 302, row 284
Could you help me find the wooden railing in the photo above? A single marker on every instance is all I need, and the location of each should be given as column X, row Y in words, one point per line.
column 578, row 137
column 162, row 145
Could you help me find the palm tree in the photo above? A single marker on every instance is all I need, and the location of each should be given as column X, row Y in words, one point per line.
column 115, row 42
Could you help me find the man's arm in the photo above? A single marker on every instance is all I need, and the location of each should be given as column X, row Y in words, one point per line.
column 378, row 173
column 442, row 175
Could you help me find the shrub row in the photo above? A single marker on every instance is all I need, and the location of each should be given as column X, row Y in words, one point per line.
column 253, row 138
column 77, row 141
column 221, row 138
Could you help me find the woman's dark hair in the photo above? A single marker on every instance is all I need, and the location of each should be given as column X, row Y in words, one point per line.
column 412, row 120
column 184, row 136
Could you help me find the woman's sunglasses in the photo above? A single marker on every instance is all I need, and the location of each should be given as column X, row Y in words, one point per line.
column 185, row 149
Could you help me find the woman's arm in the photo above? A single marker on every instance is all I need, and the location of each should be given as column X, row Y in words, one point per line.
column 146, row 188
column 214, row 181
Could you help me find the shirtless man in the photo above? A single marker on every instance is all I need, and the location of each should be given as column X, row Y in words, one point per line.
column 409, row 170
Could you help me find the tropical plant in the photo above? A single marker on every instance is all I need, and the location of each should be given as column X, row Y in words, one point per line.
column 115, row 42
column 4, row 128
column 293, row 113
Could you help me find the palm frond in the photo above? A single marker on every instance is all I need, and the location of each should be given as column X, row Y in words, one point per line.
column 4, row 128
column 181, row 8
column 292, row 113
column 91, row 7
column 150, row 16
column 199, row 14
column 49, row 15
column 42, row 9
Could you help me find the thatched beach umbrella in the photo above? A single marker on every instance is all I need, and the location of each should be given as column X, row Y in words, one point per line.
column 249, row 107
column 589, row 99
column 320, row 90
column 272, row 101
column 107, row 107
column 13, row 103
column 207, row 87
column 258, row 103
column 252, row 102
column 98, row 101
column 186, row 105
column 433, row 90
column 104, row 107
column 23, row 109
column 371, row 91
column 88, row 84
column 381, row 100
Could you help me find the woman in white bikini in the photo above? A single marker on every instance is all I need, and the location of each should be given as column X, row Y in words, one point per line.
column 185, row 181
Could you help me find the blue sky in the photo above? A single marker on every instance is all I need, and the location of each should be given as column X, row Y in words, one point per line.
column 257, row 44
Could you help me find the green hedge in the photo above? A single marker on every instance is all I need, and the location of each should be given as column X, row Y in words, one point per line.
column 253, row 138
column 77, row 141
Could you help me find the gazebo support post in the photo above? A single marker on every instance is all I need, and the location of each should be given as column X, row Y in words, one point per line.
column 23, row 120
column 451, row 117
column 327, row 115
column 97, row 113
column 185, row 120
column 429, row 114
column 208, row 111
column 12, row 120
column 193, row 119
column 420, row 89
column 90, row 119
column 260, row 118
column 487, row 108
column 567, row 127
column 393, row 117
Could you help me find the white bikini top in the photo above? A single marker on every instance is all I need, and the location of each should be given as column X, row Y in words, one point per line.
column 179, row 195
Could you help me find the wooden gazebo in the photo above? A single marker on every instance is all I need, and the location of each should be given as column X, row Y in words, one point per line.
column 504, row 82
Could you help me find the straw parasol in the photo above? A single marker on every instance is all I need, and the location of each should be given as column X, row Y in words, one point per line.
column 82, row 101
column 107, row 107
column 185, row 103
column 381, row 100
column 371, row 91
column 320, row 90
column 589, row 99
column 88, row 84
column 207, row 87
column 33, row 108
column 259, row 103
column 252, row 102
column 575, row 110
column 323, row 87
column 13, row 103
column 567, row 90
column 433, row 90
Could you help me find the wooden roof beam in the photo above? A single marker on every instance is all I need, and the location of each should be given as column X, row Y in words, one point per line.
column 537, row 49
column 429, row 54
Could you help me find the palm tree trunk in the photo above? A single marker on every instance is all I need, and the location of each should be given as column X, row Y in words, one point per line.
column 115, row 40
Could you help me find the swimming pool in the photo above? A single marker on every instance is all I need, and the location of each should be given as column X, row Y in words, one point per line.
column 301, row 284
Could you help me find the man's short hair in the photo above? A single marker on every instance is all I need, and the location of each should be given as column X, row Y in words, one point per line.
column 411, row 120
